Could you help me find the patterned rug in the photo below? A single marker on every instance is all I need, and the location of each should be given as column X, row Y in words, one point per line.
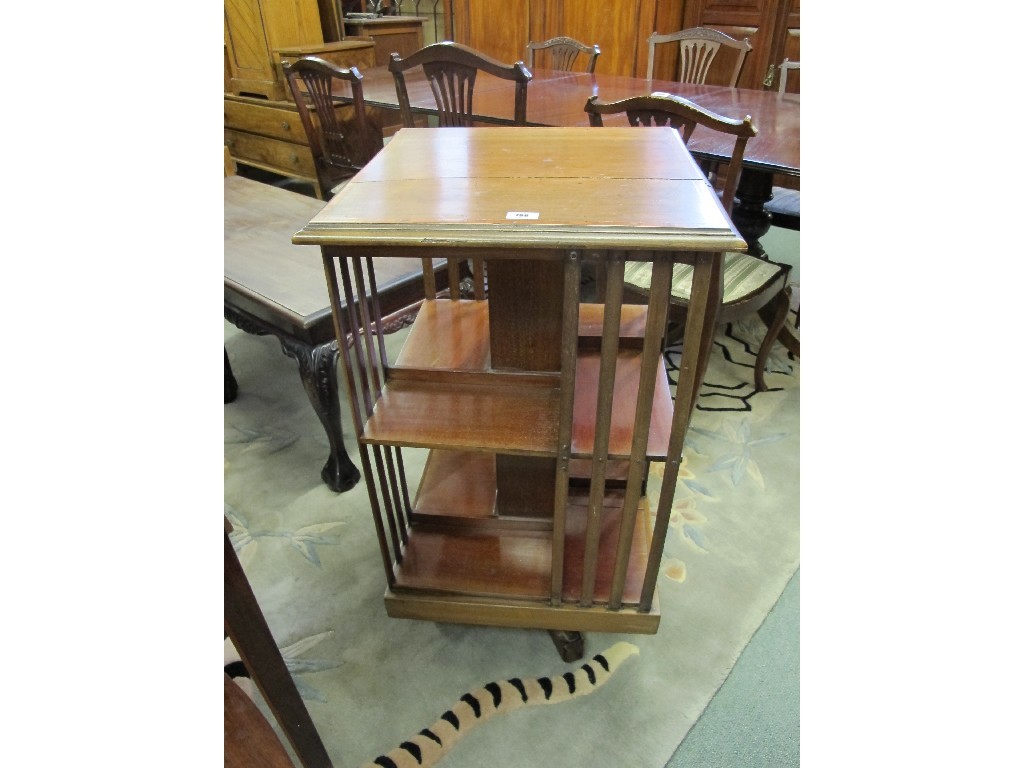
column 370, row 682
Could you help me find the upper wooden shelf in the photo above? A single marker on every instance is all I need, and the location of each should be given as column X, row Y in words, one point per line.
column 486, row 417
column 441, row 392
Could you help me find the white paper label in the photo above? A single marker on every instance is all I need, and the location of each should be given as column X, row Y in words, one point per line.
column 522, row 215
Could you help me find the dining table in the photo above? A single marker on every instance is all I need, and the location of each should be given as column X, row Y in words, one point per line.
column 557, row 98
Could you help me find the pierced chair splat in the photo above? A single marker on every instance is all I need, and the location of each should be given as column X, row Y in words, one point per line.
column 750, row 284
column 451, row 70
column 698, row 49
column 562, row 53
column 341, row 136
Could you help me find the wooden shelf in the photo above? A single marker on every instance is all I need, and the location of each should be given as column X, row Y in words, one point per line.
column 627, row 379
column 441, row 392
column 449, row 335
column 457, row 484
column 632, row 319
column 495, row 418
column 516, row 564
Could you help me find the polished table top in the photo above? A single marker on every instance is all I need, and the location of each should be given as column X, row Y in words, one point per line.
column 277, row 282
column 557, row 98
column 614, row 188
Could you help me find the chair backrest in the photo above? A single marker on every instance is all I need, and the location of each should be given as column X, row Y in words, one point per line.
column 451, row 70
column 562, row 52
column 785, row 84
column 698, row 47
column 660, row 109
column 340, row 146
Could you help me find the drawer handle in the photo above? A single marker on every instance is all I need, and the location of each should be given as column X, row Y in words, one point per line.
column 285, row 126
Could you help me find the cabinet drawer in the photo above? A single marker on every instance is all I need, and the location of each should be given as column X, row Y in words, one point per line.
column 284, row 157
column 267, row 121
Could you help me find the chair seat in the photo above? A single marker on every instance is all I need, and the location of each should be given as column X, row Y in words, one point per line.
column 784, row 208
column 744, row 275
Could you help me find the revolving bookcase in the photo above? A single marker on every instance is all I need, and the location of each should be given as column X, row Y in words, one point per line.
column 541, row 413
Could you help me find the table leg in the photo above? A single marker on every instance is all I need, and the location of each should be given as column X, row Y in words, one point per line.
column 318, row 369
column 748, row 214
column 319, row 374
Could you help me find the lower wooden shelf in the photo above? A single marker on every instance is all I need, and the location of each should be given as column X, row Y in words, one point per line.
column 475, row 567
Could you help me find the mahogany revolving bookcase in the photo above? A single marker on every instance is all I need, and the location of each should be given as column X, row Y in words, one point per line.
column 541, row 413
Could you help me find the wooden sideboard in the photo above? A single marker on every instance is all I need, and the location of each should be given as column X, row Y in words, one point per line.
column 390, row 34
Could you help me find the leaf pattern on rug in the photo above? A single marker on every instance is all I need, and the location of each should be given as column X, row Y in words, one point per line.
column 739, row 459
column 303, row 540
column 253, row 439
column 685, row 478
column 674, row 569
column 293, row 664
column 299, row 666
column 684, row 518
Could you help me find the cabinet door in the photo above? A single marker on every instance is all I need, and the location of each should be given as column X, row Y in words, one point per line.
column 772, row 26
column 619, row 27
column 500, row 33
column 250, row 65
column 253, row 29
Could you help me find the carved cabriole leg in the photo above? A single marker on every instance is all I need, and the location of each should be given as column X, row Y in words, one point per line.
column 748, row 214
column 319, row 374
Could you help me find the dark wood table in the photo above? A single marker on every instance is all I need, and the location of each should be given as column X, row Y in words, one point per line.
column 556, row 99
column 274, row 287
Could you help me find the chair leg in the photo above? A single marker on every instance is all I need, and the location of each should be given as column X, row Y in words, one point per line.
column 230, row 384
column 774, row 315
column 790, row 342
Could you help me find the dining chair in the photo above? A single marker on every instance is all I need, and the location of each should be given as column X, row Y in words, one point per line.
column 750, row 284
column 341, row 145
column 785, row 203
column 451, row 70
column 563, row 52
column 698, row 49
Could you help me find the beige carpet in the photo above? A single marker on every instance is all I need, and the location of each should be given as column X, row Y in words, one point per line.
column 371, row 682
